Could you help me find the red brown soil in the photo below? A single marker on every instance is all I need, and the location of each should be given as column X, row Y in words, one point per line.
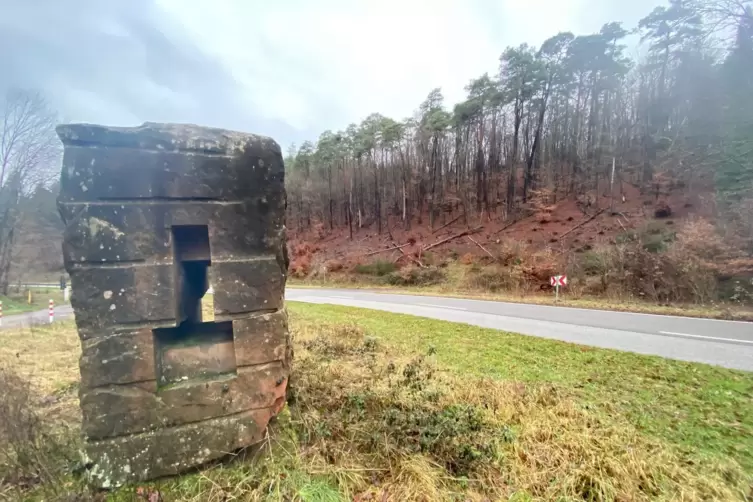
column 319, row 247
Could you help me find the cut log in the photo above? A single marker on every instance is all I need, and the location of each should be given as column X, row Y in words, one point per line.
column 456, row 218
column 576, row 227
column 507, row 226
column 482, row 247
column 452, row 237
column 386, row 249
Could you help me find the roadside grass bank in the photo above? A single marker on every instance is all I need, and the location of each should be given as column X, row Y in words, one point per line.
column 390, row 407
column 40, row 298
column 459, row 281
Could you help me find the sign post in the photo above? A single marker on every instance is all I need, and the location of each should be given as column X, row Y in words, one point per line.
column 556, row 281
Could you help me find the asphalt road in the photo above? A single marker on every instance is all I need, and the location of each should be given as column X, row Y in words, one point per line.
column 722, row 343
column 38, row 317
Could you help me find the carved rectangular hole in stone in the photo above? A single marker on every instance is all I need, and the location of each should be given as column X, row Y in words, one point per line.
column 193, row 349
column 204, row 352
column 192, row 258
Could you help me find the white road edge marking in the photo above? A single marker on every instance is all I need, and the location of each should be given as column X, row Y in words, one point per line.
column 617, row 312
column 435, row 306
column 719, row 339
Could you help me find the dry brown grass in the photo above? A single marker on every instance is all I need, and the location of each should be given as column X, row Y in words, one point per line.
column 369, row 421
column 39, row 414
column 428, row 431
column 47, row 357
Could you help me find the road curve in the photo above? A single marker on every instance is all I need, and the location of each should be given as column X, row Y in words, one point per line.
column 722, row 343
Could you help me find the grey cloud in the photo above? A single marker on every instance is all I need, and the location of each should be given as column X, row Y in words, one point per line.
column 121, row 62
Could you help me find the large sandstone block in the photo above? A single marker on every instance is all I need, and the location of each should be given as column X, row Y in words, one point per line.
column 117, row 410
column 98, row 232
column 172, row 450
column 154, row 216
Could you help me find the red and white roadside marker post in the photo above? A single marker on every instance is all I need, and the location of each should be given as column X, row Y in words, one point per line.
column 52, row 311
column 1, row 314
column 556, row 281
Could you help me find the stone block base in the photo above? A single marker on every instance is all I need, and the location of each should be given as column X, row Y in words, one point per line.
column 164, row 452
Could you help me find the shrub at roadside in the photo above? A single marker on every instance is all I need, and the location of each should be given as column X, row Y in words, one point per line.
column 300, row 267
column 494, row 278
column 33, row 451
column 684, row 266
column 376, row 268
column 515, row 269
column 416, row 276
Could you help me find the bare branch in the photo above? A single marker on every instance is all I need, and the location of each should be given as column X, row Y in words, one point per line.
column 29, row 152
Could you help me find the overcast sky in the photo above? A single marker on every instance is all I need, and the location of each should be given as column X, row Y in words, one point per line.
column 285, row 68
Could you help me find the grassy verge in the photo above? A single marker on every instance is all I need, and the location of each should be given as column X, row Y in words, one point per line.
column 696, row 406
column 454, row 290
column 389, row 407
column 18, row 304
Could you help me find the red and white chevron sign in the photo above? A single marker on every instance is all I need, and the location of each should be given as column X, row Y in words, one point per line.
column 558, row 280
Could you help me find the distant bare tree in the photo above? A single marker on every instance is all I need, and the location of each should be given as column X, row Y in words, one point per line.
column 29, row 150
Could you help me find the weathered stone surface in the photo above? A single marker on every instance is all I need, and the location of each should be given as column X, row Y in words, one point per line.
column 124, row 163
column 247, row 286
column 162, row 137
column 154, row 215
column 166, row 452
column 105, row 297
column 98, row 232
column 261, row 339
column 118, row 359
column 121, row 409
column 206, row 355
column 116, row 233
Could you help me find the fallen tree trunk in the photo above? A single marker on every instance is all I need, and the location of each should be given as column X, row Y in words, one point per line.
column 508, row 226
column 448, row 224
column 482, row 247
column 452, row 237
column 576, row 227
column 386, row 249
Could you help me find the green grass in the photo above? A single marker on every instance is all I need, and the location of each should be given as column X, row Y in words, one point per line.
column 375, row 268
column 18, row 304
column 392, row 407
column 14, row 305
column 695, row 406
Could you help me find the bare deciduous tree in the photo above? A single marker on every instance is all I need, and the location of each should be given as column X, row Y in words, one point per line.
column 29, row 150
